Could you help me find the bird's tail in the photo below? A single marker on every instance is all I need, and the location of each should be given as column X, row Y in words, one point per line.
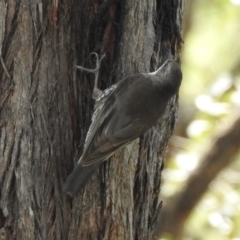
column 79, row 177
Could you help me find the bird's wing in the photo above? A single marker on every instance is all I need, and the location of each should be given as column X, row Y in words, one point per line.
column 110, row 129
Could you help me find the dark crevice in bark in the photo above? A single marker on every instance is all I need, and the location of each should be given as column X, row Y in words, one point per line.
column 10, row 24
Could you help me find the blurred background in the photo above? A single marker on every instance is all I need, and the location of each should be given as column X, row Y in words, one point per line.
column 201, row 179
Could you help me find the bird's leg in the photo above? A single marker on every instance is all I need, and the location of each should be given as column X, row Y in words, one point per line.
column 96, row 90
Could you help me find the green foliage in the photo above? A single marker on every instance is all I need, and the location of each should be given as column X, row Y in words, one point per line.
column 209, row 97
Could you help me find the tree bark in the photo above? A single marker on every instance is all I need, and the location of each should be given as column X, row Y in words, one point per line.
column 46, row 108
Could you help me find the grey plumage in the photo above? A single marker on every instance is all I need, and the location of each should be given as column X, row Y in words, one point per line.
column 122, row 113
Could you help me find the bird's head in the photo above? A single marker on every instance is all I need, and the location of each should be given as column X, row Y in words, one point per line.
column 170, row 69
column 169, row 75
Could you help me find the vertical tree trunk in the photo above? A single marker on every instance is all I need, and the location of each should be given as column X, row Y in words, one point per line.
column 46, row 108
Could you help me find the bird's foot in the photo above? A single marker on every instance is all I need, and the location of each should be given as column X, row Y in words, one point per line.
column 96, row 91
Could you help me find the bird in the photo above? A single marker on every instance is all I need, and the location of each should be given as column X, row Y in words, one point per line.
column 122, row 113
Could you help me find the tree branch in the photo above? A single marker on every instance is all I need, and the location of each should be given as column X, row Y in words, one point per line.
column 219, row 155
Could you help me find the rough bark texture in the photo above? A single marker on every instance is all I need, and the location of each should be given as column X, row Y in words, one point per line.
column 46, row 108
column 225, row 146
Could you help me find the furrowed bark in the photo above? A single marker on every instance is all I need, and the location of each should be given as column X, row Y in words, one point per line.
column 46, row 108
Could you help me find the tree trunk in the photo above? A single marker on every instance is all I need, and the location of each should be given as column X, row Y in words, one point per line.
column 46, row 108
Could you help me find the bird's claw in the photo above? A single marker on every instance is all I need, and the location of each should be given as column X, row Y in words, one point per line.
column 95, row 71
